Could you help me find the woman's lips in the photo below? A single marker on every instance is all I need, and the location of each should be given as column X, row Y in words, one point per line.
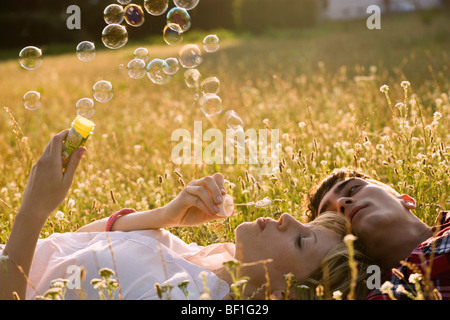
column 356, row 211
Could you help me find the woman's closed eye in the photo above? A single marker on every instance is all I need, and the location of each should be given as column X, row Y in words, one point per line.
column 352, row 190
column 299, row 240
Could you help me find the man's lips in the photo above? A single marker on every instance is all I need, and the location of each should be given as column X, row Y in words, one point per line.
column 355, row 211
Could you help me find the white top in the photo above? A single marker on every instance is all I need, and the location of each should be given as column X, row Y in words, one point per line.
column 142, row 258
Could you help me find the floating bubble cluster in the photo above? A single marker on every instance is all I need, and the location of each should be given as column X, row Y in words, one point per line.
column 85, row 107
column 32, row 100
column 86, row 51
column 134, row 15
column 30, row 58
column 156, row 7
column 211, row 43
column 180, row 17
column 114, row 36
column 113, row 14
column 102, row 91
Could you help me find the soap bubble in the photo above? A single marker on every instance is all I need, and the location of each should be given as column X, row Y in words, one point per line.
column 210, row 104
column 192, row 78
column 172, row 66
column 136, row 68
column 114, row 36
column 124, row 2
column 186, row 4
column 113, row 14
column 32, row 100
column 234, row 122
column 210, row 85
column 211, row 43
column 190, row 56
column 180, row 17
column 156, row 71
column 30, row 58
column 141, row 53
column 134, row 15
column 103, row 91
column 85, row 107
column 156, row 7
column 86, row 51
column 172, row 34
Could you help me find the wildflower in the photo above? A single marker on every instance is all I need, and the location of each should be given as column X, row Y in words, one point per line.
column 59, row 215
column 301, row 124
column 415, row 277
column 263, row 203
column 337, row 295
column 106, row 272
column 380, row 146
column 386, row 287
column 405, row 84
column 437, row 115
column 384, row 88
column 399, row 105
column 401, row 290
column 71, row 203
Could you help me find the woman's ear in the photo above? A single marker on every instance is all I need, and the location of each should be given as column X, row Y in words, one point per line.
column 409, row 202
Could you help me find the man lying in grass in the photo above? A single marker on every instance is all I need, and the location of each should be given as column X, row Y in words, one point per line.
column 392, row 235
column 141, row 254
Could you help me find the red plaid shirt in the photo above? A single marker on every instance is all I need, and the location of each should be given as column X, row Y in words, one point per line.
column 435, row 251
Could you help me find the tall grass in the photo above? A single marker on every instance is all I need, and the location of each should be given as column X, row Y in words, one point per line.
column 320, row 87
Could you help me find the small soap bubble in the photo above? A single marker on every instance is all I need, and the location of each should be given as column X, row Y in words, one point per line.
column 136, row 68
column 85, row 51
column 114, row 36
column 211, row 43
column 85, row 107
column 180, row 17
column 156, row 71
column 192, row 78
column 156, row 7
column 113, row 14
column 210, row 85
column 190, row 56
column 172, row 34
column 30, row 58
column 234, row 122
column 186, row 4
column 141, row 53
column 32, row 100
column 124, row 2
column 103, row 91
column 172, row 66
column 210, row 104
column 134, row 15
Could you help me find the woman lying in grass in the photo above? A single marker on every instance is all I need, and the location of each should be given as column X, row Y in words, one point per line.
column 142, row 254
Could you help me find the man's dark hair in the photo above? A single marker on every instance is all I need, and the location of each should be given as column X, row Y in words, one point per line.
column 316, row 193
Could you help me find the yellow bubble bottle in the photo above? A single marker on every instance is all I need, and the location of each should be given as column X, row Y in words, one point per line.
column 78, row 134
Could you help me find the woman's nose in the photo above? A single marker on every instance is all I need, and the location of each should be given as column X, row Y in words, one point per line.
column 342, row 205
column 285, row 221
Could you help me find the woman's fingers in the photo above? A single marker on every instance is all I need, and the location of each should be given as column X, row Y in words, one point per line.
column 214, row 185
column 202, row 199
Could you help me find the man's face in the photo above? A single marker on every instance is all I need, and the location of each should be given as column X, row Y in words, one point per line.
column 372, row 209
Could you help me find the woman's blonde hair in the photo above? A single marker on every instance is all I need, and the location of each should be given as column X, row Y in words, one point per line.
column 343, row 269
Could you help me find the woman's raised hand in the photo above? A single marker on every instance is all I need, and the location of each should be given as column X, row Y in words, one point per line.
column 198, row 202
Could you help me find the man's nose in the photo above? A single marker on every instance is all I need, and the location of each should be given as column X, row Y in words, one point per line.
column 343, row 205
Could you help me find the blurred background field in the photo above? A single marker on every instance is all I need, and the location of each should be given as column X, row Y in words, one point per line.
column 317, row 82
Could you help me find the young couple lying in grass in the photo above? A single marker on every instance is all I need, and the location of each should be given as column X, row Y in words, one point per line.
column 143, row 254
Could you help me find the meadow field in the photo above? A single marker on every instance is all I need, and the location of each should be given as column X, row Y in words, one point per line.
column 320, row 87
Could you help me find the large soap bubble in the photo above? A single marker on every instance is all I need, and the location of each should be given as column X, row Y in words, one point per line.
column 85, row 107
column 32, row 100
column 156, row 7
column 114, row 36
column 156, row 71
column 190, row 56
column 103, row 91
column 85, row 51
column 186, row 4
column 30, row 58
column 180, row 17
column 210, row 104
column 113, row 14
column 134, row 15
column 136, row 68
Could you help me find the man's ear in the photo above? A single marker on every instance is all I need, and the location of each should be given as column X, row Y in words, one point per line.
column 409, row 202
